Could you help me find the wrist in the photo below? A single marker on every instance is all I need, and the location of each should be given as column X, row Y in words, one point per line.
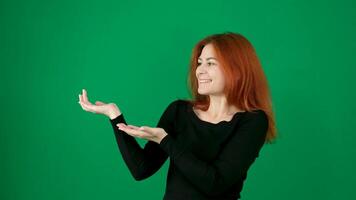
column 161, row 138
column 113, row 114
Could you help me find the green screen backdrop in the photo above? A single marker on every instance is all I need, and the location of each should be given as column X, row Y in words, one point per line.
column 136, row 54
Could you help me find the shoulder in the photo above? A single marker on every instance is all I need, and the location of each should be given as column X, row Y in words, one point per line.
column 177, row 103
column 257, row 114
column 178, row 108
column 171, row 117
column 172, row 107
column 255, row 119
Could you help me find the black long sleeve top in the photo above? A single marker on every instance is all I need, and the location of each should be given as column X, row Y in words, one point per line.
column 207, row 160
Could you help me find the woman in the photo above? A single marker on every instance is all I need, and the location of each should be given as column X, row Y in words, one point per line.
column 211, row 140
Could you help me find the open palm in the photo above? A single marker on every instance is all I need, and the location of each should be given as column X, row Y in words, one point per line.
column 99, row 107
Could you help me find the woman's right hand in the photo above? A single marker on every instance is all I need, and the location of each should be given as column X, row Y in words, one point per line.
column 108, row 109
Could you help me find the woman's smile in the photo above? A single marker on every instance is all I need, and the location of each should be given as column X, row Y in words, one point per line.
column 205, row 81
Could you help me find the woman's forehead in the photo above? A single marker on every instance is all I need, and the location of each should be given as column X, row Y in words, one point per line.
column 208, row 52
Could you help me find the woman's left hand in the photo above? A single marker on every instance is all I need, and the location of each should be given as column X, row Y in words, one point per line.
column 145, row 132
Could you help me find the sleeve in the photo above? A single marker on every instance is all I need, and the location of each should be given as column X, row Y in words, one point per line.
column 232, row 163
column 142, row 163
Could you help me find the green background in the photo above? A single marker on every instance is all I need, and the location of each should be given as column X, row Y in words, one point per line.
column 136, row 54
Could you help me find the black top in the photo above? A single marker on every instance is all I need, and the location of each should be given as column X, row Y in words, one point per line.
column 207, row 160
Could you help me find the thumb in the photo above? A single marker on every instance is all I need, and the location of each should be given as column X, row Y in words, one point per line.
column 99, row 103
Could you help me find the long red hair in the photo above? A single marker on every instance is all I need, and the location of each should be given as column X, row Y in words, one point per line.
column 246, row 85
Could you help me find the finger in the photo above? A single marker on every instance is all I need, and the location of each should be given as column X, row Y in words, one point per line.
column 146, row 128
column 87, row 107
column 85, row 97
column 80, row 98
column 83, row 106
column 132, row 126
column 139, row 134
column 99, row 103
column 133, row 132
column 121, row 126
column 129, row 126
column 128, row 130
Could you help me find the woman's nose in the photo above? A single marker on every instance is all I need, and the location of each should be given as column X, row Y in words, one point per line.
column 200, row 72
column 201, row 69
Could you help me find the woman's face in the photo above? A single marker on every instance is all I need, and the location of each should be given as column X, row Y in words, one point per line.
column 209, row 74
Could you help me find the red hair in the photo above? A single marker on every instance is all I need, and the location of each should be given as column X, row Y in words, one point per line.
column 246, row 85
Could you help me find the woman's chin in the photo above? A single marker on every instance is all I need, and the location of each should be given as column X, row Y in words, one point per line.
column 203, row 92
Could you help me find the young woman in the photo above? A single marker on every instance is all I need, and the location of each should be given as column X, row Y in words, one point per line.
column 211, row 140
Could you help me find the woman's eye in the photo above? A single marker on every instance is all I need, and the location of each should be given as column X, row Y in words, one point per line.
column 209, row 63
